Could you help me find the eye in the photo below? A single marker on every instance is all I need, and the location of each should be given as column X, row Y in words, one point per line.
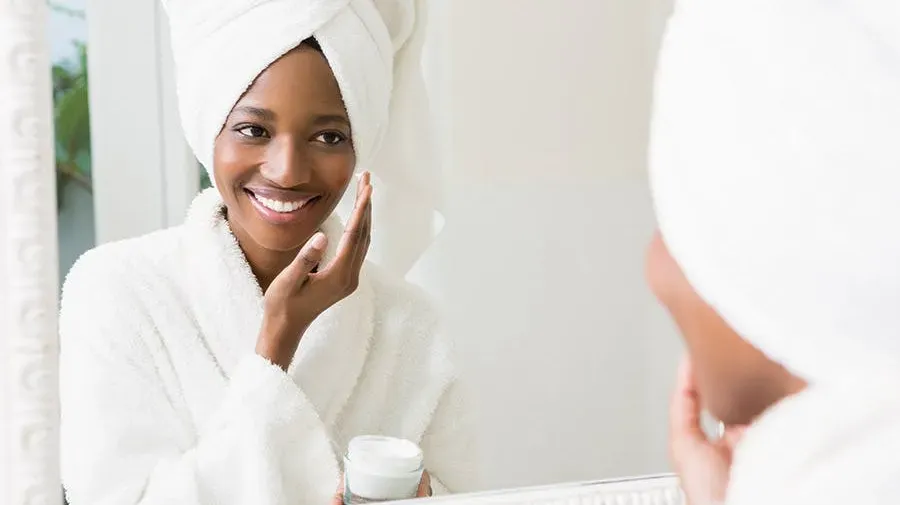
column 331, row 138
column 253, row 131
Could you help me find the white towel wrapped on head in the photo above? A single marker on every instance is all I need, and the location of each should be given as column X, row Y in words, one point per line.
column 221, row 46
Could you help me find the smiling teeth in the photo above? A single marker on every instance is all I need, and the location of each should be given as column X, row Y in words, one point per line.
column 278, row 206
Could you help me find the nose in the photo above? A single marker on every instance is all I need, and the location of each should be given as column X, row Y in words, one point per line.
column 287, row 163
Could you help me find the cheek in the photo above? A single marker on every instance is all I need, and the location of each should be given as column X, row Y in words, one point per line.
column 336, row 171
column 658, row 269
column 736, row 382
column 699, row 326
column 717, row 355
column 694, row 318
column 231, row 162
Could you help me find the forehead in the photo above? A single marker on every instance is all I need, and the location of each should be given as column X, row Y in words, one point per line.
column 298, row 79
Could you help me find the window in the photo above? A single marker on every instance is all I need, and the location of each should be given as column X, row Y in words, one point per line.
column 75, row 200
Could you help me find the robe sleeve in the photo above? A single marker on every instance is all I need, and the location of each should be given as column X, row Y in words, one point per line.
column 125, row 441
column 449, row 444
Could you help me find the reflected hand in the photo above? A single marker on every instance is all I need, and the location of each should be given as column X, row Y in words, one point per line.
column 297, row 296
column 702, row 464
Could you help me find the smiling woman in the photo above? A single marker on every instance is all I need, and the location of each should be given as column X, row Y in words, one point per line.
column 284, row 158
column 251, row 343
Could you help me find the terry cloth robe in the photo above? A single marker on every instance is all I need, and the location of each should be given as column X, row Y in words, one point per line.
column 165, row 402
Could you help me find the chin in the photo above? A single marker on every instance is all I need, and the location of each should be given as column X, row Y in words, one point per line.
column 279, row 239
column 730, row 414
column 739, row 402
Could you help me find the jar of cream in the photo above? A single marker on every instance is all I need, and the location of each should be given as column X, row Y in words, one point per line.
column 380, row 468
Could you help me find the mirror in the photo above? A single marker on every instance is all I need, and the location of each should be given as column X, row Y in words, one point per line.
column 540, row 144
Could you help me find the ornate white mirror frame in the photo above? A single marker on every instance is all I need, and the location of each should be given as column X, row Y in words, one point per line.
column 29, row 413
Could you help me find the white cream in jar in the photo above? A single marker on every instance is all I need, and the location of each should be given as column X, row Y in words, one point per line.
column 378, row 468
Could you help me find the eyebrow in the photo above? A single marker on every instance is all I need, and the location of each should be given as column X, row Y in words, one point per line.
column 269, row 115
column 264, row 114
column 332, row 118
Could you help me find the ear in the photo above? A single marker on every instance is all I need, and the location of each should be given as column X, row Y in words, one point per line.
column 400, row 18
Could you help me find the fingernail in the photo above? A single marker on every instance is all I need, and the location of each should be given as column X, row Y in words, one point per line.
column 318, row 241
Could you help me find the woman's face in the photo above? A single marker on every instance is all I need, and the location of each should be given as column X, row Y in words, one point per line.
column 285, row 156
column 736, row 381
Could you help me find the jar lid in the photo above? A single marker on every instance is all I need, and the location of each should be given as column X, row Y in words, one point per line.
column 384, row 455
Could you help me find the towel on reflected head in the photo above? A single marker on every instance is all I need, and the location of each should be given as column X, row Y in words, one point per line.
column 220, row 46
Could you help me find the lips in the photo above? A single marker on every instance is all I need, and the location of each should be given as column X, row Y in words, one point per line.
column 279, row 194
column 280, row 206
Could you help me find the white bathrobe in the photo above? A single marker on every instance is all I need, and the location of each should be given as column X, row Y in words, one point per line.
column 165, row 402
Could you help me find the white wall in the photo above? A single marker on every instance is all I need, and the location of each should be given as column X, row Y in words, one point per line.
column 547, row 107
column 143, row 172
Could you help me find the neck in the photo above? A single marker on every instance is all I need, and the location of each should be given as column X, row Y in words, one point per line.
column 265, row 264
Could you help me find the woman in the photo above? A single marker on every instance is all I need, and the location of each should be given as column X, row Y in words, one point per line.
column 775, row 177
column 231, row 359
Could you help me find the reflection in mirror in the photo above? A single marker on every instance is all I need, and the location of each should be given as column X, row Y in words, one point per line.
column 517, row 345
column 255, row 319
